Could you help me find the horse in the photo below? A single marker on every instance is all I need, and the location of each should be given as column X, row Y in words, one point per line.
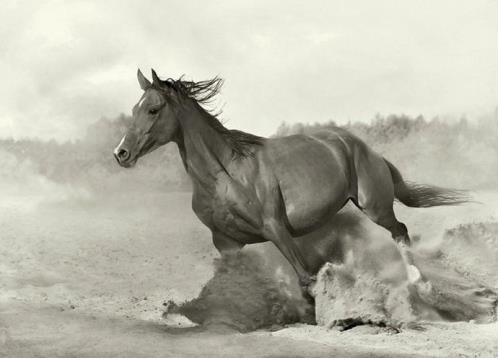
column 248, row 189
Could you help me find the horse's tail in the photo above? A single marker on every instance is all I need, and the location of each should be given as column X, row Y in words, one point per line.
column 423, row 196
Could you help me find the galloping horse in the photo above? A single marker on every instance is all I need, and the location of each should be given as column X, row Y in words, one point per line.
column 248, row 189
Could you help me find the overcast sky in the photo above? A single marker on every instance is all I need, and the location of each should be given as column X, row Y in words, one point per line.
column 67, row 63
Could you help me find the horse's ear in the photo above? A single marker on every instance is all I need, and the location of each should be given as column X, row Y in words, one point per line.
column 155, row 79
column 144, row 82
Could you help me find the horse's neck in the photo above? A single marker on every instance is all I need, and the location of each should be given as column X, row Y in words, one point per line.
column 204, row 151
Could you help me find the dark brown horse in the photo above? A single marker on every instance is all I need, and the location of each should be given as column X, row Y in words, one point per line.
column 249, row 189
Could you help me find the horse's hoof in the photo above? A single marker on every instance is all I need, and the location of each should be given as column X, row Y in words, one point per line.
column 403, row 241
column 345, row 324
column 414, row 275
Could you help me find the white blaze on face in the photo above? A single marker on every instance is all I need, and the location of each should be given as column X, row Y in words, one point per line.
column 116, row 150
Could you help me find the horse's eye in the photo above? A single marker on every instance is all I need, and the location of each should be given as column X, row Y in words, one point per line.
column 153, row 111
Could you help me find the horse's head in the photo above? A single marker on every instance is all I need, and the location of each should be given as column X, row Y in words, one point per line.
column 154, row 121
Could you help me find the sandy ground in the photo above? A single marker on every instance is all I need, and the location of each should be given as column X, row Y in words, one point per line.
column 49, row 333
column 82, row 277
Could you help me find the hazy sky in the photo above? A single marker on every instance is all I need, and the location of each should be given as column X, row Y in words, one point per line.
column 67, row 63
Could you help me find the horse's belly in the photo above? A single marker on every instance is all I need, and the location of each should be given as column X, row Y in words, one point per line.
column 305, row 214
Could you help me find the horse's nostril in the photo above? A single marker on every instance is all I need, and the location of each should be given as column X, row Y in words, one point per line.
column 123, row 154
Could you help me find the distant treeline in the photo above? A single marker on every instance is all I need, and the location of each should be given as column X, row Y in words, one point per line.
column 455, row 153
column 89, row 162
column 458, row 153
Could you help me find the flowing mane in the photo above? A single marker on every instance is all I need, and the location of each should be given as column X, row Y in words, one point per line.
column 203, row 93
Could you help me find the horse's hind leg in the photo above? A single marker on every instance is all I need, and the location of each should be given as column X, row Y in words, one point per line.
column 381, row 212
column 386, row 218
column 375, row 196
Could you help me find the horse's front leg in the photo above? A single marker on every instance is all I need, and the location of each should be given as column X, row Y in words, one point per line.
column 276, row 232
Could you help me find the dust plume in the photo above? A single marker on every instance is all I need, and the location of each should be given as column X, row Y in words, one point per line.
column 366, row 285
column 245, row 294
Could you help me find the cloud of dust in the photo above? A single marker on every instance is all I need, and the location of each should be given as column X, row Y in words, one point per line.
column 21, row 185
column 463, row 271
column 246, row 294
column 371, row 285
column 368, row 285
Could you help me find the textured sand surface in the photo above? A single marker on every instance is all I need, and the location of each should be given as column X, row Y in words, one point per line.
column 84, row 278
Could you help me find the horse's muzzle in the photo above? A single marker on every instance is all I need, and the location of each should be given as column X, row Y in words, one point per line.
column 122, row 156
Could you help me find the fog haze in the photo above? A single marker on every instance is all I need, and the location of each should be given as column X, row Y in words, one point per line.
column 64, row 65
